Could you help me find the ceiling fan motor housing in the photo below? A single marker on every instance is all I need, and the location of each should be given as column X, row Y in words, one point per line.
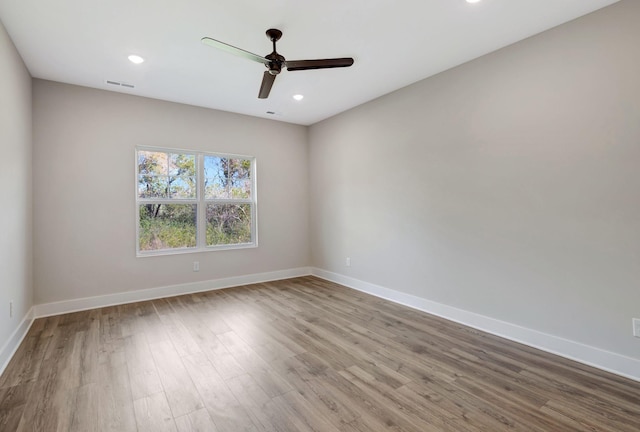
column 275, row 63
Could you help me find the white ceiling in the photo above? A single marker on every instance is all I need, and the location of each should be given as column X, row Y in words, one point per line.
column 394, row 43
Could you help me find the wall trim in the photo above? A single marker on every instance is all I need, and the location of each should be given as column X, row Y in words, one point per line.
column 605, row 360
column 76, row 305
column 11, row 346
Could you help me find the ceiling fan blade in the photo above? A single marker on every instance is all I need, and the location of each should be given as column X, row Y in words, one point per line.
column 267, row 83
column 294, row 65
column 234, row 50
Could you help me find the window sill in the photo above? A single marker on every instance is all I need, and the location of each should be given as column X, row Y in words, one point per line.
column 195, row 250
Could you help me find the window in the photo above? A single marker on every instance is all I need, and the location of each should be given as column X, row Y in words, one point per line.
column 192, row 201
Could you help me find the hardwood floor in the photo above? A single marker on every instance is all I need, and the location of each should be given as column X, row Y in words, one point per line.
column 295, row 355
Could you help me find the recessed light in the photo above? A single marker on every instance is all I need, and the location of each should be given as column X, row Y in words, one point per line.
column 135, row 59
column 298, row 97
column 473, row 1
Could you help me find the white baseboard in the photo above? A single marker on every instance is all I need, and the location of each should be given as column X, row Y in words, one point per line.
column 592, row 356
column 611, row 362
column 16, row 338
column 75, row 305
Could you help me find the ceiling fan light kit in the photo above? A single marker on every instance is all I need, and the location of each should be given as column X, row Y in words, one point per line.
column 274, row 61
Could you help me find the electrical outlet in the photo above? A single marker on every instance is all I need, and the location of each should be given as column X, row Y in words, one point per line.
column 636, row 327
column 348, row 262
column 196, row 266
column 10, row 309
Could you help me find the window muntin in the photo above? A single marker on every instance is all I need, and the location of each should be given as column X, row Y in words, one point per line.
column 194, row 201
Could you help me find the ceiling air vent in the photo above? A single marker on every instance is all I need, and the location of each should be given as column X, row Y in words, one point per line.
column 119, row 84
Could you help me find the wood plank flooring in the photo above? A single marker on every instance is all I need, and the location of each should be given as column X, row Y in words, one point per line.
column 295, row 355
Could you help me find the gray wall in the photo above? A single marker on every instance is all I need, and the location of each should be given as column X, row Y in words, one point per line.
column 507, row 186
column 84, row 191
column 15, row 192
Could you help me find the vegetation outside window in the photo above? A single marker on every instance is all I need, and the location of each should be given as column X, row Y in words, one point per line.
column 193, row 201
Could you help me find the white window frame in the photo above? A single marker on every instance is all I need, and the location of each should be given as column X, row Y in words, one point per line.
column 201, row 204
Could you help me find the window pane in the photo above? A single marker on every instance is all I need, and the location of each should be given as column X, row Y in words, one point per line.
column 214, row 166
column 227, row 178
column 182, row 165
column 150, row 186
column 239, row 168
column 240, row 188
column 182, row 187
column 228, row 224
column 239, row 180
column 154, row 163
column 214, row 187
column 215, row 181
column 167, row 226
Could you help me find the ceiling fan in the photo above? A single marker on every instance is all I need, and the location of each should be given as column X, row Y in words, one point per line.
column 275, row 61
